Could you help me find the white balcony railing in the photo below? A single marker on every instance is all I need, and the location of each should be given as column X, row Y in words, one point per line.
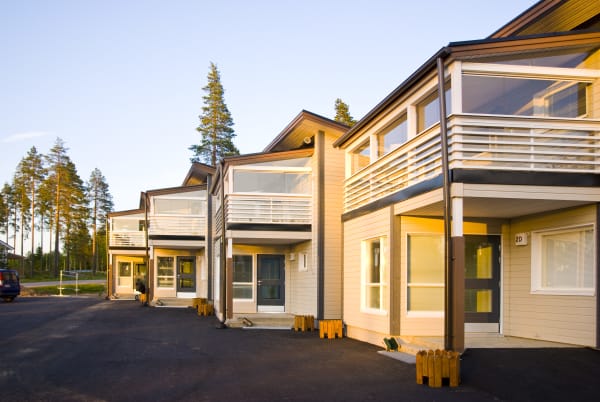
column 127, row 239
column 182, row 225
column 481, row 142
column 295, row 209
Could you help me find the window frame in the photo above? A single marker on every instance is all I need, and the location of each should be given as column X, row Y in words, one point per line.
column 250, row 284
column 366, row 269
column 537, row 251
column 422, row 285
column 395, row 124
column 162, row 277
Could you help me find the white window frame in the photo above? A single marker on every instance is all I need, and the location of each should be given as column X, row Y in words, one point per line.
column 251, row 283
column 365, row 274
column 408, row 285
column 536, row 262
column 166, row 276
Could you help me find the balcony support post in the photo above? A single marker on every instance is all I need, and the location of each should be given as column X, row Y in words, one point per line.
column 452, row 340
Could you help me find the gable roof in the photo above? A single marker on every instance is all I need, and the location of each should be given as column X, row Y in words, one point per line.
column 298, row 133
column 198, row 174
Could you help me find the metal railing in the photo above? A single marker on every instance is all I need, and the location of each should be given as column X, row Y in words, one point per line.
column 481, row 142
column 127, row 239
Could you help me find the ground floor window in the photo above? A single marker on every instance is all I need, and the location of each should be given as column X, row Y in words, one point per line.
column 374, row 265
column 242, row 277
column 425, row 280
column 165, row 272
column 563, row 261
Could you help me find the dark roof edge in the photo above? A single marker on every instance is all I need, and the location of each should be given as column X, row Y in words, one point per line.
column 523, row 19
column 409, row 82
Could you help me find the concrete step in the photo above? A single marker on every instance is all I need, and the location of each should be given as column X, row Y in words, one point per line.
column 413, row 344
column 172, row 302
column 262, row 320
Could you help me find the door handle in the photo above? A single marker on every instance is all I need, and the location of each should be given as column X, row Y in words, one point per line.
column 259, row 282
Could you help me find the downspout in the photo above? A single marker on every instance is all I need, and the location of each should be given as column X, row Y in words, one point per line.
column 209, row 240
column 222, row 265
column 149, row 289
column 448, row 273
column 320, row 143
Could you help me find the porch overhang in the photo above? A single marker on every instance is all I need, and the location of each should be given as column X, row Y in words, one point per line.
column 268, row 237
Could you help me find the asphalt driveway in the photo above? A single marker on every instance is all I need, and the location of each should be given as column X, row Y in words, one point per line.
column 83, row 349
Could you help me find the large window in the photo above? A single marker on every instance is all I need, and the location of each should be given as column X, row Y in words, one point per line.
column 428, row 110
column 165, row 272
column 392, row 137
column 524, row 97
column 563, row 261
column 257, row 181
column 242, row 277
column 374, row 266
column 180, row 206
column 361, row 157
column 425, row 273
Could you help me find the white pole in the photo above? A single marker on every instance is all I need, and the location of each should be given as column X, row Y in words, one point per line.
column 60, row 284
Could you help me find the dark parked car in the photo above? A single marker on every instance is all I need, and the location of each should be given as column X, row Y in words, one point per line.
column 9, row 284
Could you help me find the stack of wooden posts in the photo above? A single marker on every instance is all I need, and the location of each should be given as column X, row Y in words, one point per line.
column 202, row 306
column 435, row 366
column 332, row 328
column 304, row 323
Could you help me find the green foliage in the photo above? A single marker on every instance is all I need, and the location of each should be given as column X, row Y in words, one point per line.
column 68, row 290
column 342, row 113
column 216, row 124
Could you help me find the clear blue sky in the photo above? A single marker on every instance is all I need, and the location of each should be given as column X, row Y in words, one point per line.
column 121, row 81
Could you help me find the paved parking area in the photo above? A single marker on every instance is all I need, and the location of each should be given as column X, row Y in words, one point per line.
column 77, row 349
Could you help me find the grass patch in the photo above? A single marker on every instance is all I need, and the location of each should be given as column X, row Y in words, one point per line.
column 48, row 277
column 68, row 290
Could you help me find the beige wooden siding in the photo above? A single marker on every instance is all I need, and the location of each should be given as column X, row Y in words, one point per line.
column 568, row 319
column 416, row 324
column 301, row 286
column 334, row 178
column 362, row 325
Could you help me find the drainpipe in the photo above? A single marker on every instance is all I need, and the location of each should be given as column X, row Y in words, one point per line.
column 222, row 265
column 448, row 272
column 149, row 289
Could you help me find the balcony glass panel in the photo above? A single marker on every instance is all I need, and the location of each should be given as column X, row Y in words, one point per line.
column 271, row 182
column 523, row 97
column 428, row 110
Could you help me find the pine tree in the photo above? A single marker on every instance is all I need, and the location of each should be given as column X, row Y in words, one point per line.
column 30, row 174
column 101, row 204
column 342, row 113
column 215, row 124
column 68, row 199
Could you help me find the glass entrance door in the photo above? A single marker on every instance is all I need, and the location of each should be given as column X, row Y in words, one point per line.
column 482, row 279
column 271, row 282
column 186, row 274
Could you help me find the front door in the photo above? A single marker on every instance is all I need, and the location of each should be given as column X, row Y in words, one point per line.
column 186, row 274
column 482, row 283
column 271, row 282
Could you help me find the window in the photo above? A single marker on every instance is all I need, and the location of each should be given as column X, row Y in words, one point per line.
column 524, row 97
column 124, row 273
column 166, row 272
column 242, row 277
column 361, row 157
column 428, row 110
column 392, row 137
column 374, row 266
column 179, row 206
column 563, row 261
column 254, row 181
column 425, row 273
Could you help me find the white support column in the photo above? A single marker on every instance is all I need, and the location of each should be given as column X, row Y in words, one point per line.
column 457, row 217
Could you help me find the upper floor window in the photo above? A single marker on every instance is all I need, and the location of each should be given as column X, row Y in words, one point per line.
column 392, row 137
column 257, row 181
column 428, row 110
column 179, row 206
column 524, row 96
column 361, row 157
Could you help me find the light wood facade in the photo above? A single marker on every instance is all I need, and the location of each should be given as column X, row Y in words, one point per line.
column 513, row 170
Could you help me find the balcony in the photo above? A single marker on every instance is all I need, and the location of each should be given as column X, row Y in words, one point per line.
column 259, row 209
column 504, row 143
